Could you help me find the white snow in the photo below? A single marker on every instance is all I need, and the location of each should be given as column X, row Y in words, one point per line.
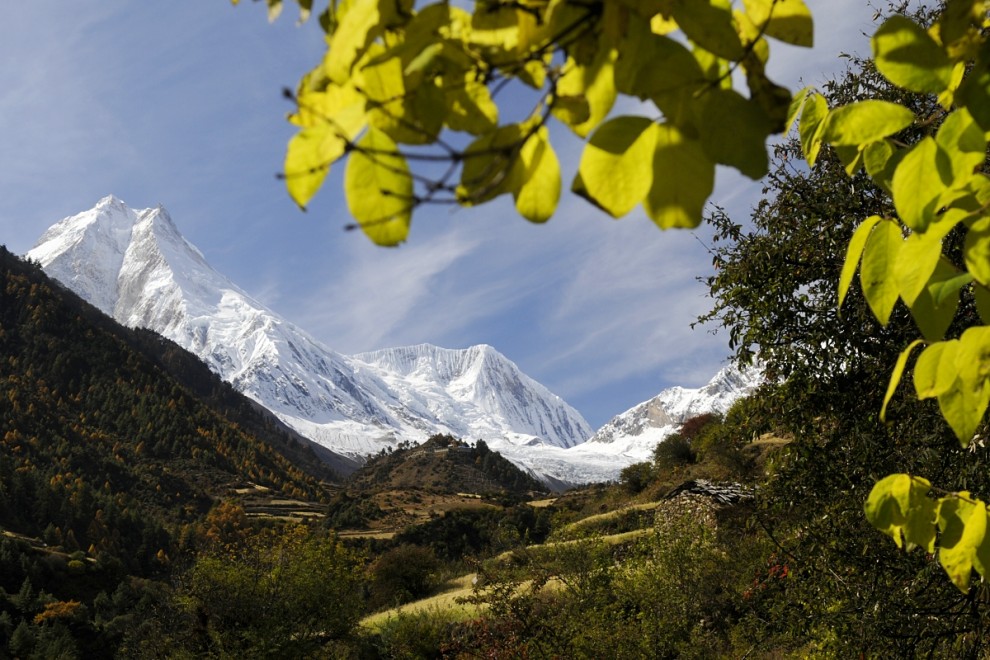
column 137, row 267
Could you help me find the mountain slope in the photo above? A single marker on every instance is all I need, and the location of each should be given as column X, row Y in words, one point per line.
column 136, row 266
column 98, row 423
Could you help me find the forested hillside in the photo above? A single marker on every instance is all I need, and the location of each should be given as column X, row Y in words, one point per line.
column 114, row 445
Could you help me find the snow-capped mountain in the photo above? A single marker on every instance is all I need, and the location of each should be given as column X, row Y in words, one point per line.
column 639, row 429
column 632, row 436
column 138, row 268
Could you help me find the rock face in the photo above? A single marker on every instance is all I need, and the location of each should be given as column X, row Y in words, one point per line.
column 137, row 267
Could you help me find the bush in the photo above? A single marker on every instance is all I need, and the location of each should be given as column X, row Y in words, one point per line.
column 673, row 452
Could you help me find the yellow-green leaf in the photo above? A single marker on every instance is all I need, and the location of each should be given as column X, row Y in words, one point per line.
column 595, row 83
column 962, row 523
column 854, row 253
column 536, row 199
column 357, row 29
column 710, row 25
column 683, row 179
column 379, row 189
column 308, row 157
column 469, row 105
column 797, row 104
column 811, row 126
column 917, row 185
column 917, row 261
column 934, row 309
column 863, row 122
column 789, row 21
column 616, row 168
column 734, row 131
column 895, row 376
column 909, row 57
column 976, row 251
column 877, row 273
column 491, row 166
column 963, row 142
column 899, row 506
column 935, row 369
column 982, row 297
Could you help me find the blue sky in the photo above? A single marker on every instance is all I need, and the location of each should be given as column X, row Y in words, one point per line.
column 179, row 103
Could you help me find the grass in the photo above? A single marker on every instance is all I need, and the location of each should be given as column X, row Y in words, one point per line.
column 447, row 601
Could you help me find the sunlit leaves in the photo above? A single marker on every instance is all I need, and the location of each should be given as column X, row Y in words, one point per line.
column 379, row 189
column 592, row 87
column 683, row 179
column 878, row 268
column 491, row 166
column 537, row 196
column 854, row 252
column 616, row 168
column 963, row 542
column 909, row 57
column 863, row 122
column 709, row 24
column 899, row 506
column 787, row 20
column 736, row 130
column 917, row 186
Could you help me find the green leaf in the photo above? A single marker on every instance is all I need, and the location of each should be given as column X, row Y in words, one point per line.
column 880, row 160
column 649, row 65
column 469, row 105
column 907, row 56
column 616, row 168
column 917, row 185
column 935, row 369
column 536, row 199
column 734, row 131
column 357, row 29
column 797, row 104
column 379, row 189
column 789, row 21
column 964, row 404
column 877, row 273
column 962, row 525
column 934, row 309
column 917, row 261
column 899, row 506
column 710, row 25
column 865, row 121
column 491, row 166
column 683, row 179
column 895, row 376
column 976, row 251
column 854, row 253
column 811, row 126
column 974, row 93
column 595, row 83
column 308, row 157
column 963, row 143
column 982, row 297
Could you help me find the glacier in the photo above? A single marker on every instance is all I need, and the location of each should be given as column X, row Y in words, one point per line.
column 137, row 267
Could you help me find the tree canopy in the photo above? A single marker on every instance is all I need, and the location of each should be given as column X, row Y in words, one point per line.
column 414, row 98
column 425, row 103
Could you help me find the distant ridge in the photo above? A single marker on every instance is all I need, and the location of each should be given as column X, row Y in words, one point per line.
column 136, row 266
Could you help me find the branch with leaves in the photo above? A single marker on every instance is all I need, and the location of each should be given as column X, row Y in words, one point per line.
column 413, row 97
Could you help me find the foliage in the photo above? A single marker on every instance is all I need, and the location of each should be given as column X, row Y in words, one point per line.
column 412, row 96
column 933, row 177
column 279, row 594
column 775, row 293
column 402, row 574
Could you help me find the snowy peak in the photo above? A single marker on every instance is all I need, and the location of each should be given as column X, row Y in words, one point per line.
column 484, row 380
column 653, row 420
column 137, row 267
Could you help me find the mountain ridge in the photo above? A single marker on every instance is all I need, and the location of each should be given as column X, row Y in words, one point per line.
column 353, row 405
